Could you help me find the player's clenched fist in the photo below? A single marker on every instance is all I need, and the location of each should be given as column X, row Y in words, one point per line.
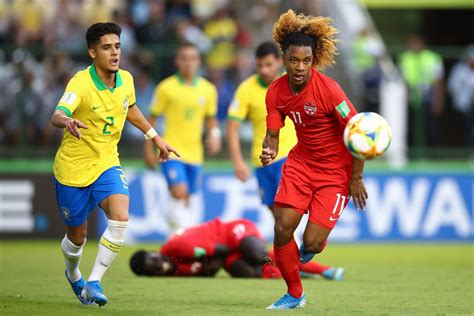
column 73, row 125
column 267, row 156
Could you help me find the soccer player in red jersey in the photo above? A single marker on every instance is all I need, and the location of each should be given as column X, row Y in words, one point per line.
column 202, row 250
column 320, row 176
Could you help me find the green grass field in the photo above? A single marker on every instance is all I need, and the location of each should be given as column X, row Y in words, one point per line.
column 391, row 279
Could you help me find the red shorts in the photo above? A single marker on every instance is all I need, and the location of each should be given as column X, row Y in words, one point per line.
column 238, row 230
column 321, row 192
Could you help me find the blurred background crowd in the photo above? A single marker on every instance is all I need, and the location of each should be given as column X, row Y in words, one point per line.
column 42, row 44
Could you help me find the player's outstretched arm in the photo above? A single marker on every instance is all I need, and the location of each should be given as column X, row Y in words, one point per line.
column 136, row 117
column 61, row 120
column 356, row 185
column 214, row 134
column 270, row 147
column 241, row 170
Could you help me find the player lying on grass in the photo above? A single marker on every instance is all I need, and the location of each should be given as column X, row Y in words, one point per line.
column 202, row 250
column 87, row 171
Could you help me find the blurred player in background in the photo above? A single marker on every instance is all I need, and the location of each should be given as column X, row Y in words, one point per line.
column 87, row 171
column 319, row 175
column 249, row 103
column 202, row 250
column 186, row 101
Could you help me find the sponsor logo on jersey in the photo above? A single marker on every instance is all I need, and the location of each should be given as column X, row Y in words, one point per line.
column 310, row 109
column 125, row 104
column 202, row 100
column 69, row 98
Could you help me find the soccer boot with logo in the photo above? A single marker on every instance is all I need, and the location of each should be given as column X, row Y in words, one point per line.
column 78, row 289
column 336, row 274
column 288, row 302
column 95, row 294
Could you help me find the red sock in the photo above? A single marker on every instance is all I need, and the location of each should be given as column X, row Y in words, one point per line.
column 287, row 260
column 313, row 267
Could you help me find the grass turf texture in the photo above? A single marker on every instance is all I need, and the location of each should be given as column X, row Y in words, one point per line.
column 392, row 279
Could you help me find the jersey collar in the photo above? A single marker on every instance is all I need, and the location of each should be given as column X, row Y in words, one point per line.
column 181, row 79
column 263, row 84
column 98, row 82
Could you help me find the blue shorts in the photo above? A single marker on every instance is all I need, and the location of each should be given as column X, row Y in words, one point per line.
column 178, row 172
column 268, row 179
column 76, row 203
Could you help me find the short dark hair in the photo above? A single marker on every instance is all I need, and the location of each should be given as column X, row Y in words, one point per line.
column 97, row 30
column 187, row 44
column 298, row 39
column 137, row 262
column 267, row 48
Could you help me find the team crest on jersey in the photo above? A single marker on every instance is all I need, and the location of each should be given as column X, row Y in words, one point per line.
column 66, row 212
column 310, row 109
column 125, row 104
column 202, row 100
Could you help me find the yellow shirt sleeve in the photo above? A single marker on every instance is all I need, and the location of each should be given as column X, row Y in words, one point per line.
column 239, row 108
column 160, row 100
column 211, row 107
column 71, row 98
column 132, row 99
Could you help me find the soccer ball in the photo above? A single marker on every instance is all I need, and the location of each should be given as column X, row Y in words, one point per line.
column 367, row 135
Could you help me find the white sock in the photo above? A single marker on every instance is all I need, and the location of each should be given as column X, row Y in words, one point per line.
column 109, row 246
column 177, row 214
column 72, row 258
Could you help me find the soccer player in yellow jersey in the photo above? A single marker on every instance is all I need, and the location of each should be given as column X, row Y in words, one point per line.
column 187, row 102
column 87, row 171
column 249, row 103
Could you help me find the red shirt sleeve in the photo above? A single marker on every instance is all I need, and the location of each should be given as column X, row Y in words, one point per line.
column 340, row 105
column 275, row 119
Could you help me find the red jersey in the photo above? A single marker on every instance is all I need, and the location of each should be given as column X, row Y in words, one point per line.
column 201, row 240
column 320, row 113
column 190, row 245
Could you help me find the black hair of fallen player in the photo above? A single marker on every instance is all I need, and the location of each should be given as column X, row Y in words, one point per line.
column 298, row 39
column 97, row 30
column 137, row 262
column 267, row 48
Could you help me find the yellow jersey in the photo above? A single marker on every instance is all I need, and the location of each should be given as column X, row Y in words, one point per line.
column 249, row 103
column 184, row 108
column 79, row 162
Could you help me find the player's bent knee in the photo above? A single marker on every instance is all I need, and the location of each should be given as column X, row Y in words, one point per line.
column 314, row 246
column 284, row 231
column 77, row 237
column 119, row 217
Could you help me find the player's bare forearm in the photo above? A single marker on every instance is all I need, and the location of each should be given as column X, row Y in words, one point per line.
column 272, row 140
column 211, row 122
column 233, row 140
column 356, row 185
column 137, row 119
column 214, row 134
column 270, row 146
column 241, row 169
column 59, row 119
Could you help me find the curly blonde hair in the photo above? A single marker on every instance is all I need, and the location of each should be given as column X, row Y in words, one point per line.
column 319, row 28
